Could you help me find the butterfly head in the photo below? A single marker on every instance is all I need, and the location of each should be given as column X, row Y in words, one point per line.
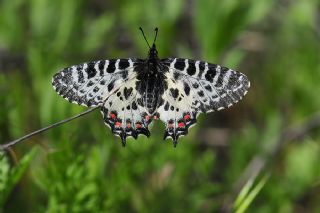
column 153, row 53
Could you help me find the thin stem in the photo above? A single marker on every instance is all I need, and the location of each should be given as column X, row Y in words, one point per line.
column 11, row 143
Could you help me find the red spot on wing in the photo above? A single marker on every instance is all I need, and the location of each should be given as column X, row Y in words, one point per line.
column 181, row 124
column 186, row 117
column 112, row 115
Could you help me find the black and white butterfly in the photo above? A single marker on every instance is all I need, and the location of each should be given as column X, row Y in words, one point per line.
column 133, row 92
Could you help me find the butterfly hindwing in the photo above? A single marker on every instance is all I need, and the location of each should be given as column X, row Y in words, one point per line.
column 195, row 87
column 124, row 115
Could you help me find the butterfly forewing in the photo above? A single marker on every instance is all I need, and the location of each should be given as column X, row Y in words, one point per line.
column 89, row 84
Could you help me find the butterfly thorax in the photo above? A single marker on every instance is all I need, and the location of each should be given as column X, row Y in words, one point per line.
column 153, row 60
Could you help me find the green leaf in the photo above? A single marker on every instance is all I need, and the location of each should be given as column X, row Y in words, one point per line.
column 9, row 177
column 246, row 196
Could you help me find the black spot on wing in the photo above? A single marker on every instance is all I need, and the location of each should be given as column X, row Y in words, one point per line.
column 186, row 88
column 174, row 92
column 112, row 66
column 176, row 75
column 80, row 74
column 56, row 79
column 123, row 64
column 90, row 83
column 101, row 67
column 200, row 93
column 110, row 86
column 96, row 89
column 224, row 69
column 213, row 67
column 124, row 74
column 219, row 81
column 67, row 78
column 210, row 74
column 91, row 71
column 209, row 88
column 192, row 68
column 127, row 92
column 140, row 102
column 166, row 106
column 134, row 105
column 195, row 85
column 160, row 102
column 202, row 67
column 179, row 64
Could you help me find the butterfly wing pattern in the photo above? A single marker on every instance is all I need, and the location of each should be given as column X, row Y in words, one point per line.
column 131, row 93
column 108, row 84
column 197, row 87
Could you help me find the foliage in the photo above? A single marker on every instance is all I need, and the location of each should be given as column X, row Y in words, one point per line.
column 10, row 177
column 81, row 167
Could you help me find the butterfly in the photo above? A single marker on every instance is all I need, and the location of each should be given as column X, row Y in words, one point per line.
column 133, row 92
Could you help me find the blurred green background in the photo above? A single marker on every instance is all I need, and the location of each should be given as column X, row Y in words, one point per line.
column 262, row 155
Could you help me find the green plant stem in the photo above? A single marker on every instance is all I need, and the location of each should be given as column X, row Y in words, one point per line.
column 11, row 143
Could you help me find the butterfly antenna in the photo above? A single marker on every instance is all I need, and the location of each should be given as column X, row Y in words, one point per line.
column 7, row 145
column 140, row 28
column 155, row 37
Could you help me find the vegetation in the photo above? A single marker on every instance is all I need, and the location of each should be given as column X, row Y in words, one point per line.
column 262, row 155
